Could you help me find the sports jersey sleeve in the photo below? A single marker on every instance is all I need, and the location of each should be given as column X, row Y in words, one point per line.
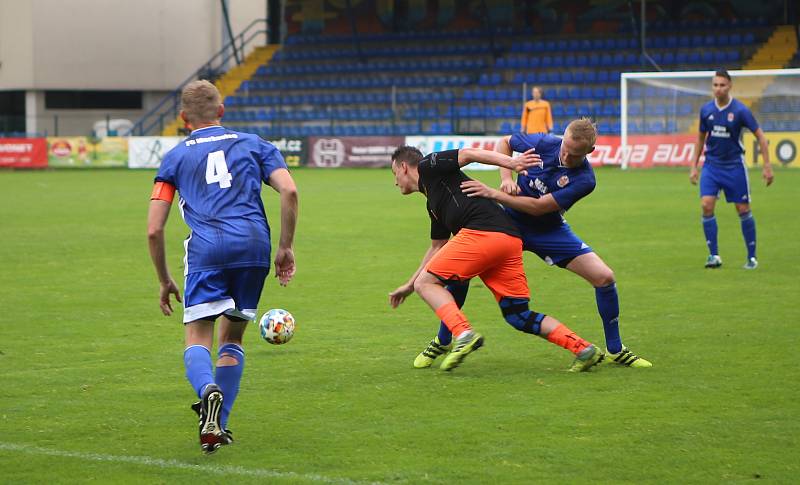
column 574, row 191
column 749, row 120
column 438, row 231
column 271, row 160
column 522, row 142
column 703, row 127
column 439, row 163
column 166, row 172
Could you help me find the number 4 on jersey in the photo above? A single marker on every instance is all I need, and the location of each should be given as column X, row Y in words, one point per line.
column 217, row 170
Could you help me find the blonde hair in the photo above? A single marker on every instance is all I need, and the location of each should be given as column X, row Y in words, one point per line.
column 200, row 101
column 582, row 131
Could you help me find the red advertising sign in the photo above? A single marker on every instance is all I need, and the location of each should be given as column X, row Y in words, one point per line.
column 23, row 152
column 644, row 151
column 368, row 151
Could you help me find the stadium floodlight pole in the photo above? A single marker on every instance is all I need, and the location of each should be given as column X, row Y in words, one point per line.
column 643, row 36
column 666, row 75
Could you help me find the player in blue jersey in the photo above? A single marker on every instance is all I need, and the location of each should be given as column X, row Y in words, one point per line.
column 536, row 203
column 218, row 174
column 721, row 123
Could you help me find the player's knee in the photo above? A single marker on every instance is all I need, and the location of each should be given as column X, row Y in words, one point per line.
column 424, row 282
column 517, row 314
column 419, row 285
column 604, row 278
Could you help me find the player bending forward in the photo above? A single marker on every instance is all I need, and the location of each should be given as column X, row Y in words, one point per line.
column 485, row 243
column 218, row 174
column 536, row 203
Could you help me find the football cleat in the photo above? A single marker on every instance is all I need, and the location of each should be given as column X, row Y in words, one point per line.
column 432, row 351
column 751, row 263
column 212, row 436
column 468, row 342
column 713, row 261
column 196, row 408
column 586, row 359
column 627, row 358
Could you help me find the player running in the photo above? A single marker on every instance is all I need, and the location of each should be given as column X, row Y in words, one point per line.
column 218, row 174
column 536, row 203
column 485, row 243
column 721, row 122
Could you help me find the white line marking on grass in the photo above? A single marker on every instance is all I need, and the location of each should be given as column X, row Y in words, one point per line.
column 178, row 465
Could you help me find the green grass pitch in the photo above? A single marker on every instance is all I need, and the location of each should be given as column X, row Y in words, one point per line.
column 92, row 374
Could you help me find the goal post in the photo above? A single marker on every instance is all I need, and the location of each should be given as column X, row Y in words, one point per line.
column 666, row 105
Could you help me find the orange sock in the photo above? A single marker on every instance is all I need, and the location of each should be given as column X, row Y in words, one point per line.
column 563, row 336
column 455, row 320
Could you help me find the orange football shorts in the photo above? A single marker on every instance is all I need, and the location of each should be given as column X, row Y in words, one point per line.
column 495, row 257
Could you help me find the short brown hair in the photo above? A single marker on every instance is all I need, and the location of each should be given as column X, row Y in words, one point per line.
column 582, row 130
column 410, row 155
column 200, row 101
column 723, row 73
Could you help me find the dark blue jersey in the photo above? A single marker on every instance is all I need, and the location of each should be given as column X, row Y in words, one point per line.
column 218, row 174
column 724, row 128
column 567, row 185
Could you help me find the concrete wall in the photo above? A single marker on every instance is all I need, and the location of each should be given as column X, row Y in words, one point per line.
column 147, row 45
column 112, row 44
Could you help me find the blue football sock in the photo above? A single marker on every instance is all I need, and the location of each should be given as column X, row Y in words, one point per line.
column 608, row 307
column 459, row 292
column 749, row 233
column 228, row 379
column 710, row 230
column 197, row 360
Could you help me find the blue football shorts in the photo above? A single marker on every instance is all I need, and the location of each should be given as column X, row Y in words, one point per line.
column 731, row 179
column 234, row 292
column 557, row 246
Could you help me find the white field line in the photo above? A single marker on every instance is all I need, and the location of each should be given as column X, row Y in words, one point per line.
column 177, row 465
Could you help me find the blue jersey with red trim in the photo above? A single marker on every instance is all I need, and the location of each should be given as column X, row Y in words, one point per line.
column 218, row 174
column 724, row 128
column 567, row 185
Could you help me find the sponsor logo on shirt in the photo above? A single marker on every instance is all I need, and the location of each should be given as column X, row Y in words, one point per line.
column 562, row 181
column 540, row 186
column 720, row 131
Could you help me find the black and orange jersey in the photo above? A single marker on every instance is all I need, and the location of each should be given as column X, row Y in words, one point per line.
column 449, row 208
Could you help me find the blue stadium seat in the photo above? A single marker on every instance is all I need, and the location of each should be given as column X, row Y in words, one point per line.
column 672, row 42
column 656, row 126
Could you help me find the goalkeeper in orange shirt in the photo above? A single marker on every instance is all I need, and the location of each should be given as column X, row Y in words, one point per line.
column 536, row 114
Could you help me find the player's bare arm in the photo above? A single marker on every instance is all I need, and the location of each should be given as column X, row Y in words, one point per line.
column 156, row 221
column 282, row 182
column 698, row 150
column 533, row 206
column 518, row 164
column 507, row 183
column 766, row 171
column 399, row 295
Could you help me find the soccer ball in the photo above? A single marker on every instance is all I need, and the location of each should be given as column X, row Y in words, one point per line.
column 277, row 326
